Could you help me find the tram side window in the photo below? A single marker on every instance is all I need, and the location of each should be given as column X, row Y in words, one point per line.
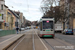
column 41, row 26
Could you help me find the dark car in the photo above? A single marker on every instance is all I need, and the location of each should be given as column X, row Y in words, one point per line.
column 68, row 31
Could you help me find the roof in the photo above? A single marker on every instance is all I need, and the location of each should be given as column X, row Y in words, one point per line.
column 13, row 13
column 6, row 6
column 17, row 12
column 47, row 17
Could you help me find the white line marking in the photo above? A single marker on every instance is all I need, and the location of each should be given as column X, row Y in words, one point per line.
column 42, row 42
column 33, row 43
column 8, row 39
column 18, row 43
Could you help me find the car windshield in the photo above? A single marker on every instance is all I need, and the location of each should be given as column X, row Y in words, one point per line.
column 69, row 29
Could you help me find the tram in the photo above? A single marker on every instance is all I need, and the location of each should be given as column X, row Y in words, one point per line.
column 46, row 27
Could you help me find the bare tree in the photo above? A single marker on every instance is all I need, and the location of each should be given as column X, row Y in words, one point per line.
column 50, row 9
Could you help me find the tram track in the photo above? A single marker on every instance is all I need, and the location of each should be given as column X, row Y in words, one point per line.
column 25, row 43
column 19, row 43
column 23, row 39
column 49, row 45
column 33, row 41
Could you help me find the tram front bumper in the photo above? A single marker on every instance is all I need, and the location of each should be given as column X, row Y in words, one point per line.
column 46, row 35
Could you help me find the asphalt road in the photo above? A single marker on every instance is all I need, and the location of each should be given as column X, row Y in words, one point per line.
column 67, row 38
column 31, row 41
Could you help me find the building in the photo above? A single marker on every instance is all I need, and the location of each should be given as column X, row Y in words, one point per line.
column 24, row 22
column 9, row 20
column 21, row 18
column 16, row 21
column 72, row 14
column 2, row 15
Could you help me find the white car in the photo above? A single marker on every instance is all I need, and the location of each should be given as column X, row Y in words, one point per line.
column 28, row 27
column 25, row 28
column 22, row 29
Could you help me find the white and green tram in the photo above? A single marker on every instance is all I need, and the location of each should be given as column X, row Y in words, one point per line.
column 46, row 27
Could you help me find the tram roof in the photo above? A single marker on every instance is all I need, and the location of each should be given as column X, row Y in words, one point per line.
column 47, row 17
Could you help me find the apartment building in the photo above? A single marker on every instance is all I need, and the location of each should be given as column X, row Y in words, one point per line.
column 2, row 15
column 9, row 20
column 16, row 20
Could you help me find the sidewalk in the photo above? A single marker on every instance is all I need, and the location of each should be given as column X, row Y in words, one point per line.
column 5, row 41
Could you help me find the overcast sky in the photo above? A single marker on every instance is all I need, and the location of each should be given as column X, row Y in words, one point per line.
column 30, row 8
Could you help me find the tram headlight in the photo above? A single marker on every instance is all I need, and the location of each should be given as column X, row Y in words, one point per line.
column 43, row 30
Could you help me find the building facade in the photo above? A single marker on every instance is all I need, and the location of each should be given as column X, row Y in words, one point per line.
column 14, row 19
column 2, row 15
column 21, row 18
column 9, row 20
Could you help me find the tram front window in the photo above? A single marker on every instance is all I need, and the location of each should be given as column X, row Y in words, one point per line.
column 47, row 24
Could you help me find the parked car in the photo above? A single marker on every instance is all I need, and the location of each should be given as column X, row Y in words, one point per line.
column 25, row 28
column 22, row 29
column 28, row 27
column 68, row 31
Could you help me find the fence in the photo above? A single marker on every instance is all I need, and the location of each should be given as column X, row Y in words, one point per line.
column 7, row 32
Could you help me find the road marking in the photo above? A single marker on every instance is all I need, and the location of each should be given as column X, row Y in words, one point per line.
column 18, row 43
column 8, row 39
column 42, row 42
column 33, row 43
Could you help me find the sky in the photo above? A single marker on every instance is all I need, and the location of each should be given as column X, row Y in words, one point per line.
column 29, row 8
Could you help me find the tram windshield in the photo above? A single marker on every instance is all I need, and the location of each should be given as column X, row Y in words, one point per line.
column 47, row 24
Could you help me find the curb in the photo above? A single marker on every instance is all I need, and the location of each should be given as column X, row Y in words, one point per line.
column 12, row 42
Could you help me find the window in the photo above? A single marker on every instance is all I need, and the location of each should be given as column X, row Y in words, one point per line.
column 41, row 26
column 2, row 16
column 1, row 7
column 47, row 24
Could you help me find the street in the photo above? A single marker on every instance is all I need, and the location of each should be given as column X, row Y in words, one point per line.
column 34, row 25
column 68, row 38
column 31, row 41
